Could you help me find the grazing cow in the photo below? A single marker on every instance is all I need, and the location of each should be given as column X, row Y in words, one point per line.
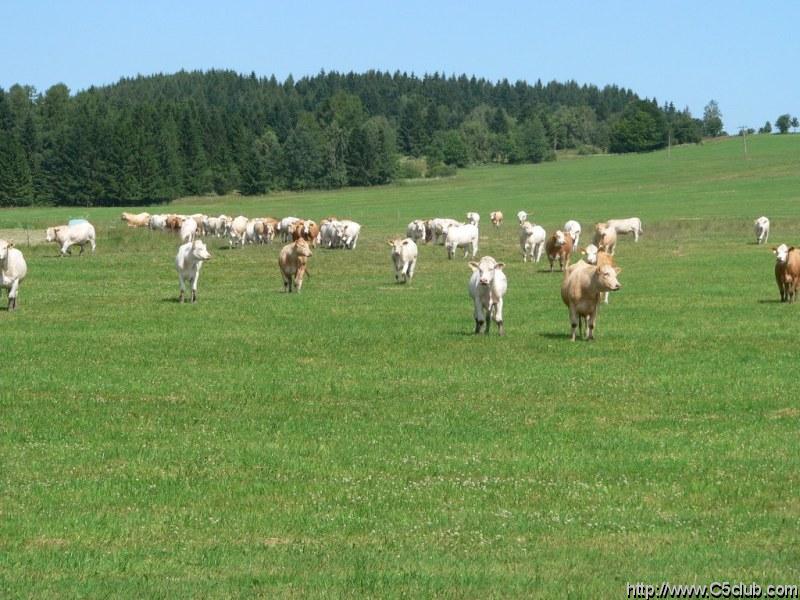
column 531, row 241
column 286, row 226
column 605, row 237
column 439, row 227
column 522, row 216
column 496, row 218
column 188, row 230
column 581, row 291
column 416, row 230
column 404, row 256
column 71, row 235
column 188, row 262
column 292, row 262
column 12, row 271
column 174, row 222
column 762, row 230
column 462, row 236
column 787, row 271
column 474, row 218
column 600, row 258
column 574, row 229
column 559, row 245
column 632, row 225
column 237, row 231
column 487, row 286
column 158, row 222
column 139, row 220
column 348, row 233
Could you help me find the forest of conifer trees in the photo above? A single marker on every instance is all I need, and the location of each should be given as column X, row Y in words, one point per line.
column 156, row 138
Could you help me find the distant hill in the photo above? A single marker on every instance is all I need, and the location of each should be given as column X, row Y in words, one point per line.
column 150, row 139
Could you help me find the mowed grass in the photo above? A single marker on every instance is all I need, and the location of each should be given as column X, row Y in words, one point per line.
column 357, row 440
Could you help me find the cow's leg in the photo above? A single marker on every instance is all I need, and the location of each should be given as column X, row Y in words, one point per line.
column 479, row 316
column 12, row 295
column 183, row 287
column 411, row 266
column 298, row 278
column 81, row 252
column 498, row 316
column 195, row 280
column 574, row 320
column 94, row 245
column 590, row 322
column 65, row 249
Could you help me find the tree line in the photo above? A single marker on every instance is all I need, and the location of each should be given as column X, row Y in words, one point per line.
column 156, row 138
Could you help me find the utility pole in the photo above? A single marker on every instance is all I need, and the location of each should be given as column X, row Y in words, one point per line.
column 743, row 131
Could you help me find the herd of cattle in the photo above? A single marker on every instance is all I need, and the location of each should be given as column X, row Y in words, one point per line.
column 586, row 283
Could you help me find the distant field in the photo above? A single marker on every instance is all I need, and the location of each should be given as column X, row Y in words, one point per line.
column 357, row 440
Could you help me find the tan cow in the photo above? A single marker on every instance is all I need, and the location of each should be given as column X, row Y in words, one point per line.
column 292, row 262
column 306, row 229
column 600, row 258
column 605, row 237
column 174, row 222
column 559, row 245
column 139, row 220
column 581, row 291
column 496, row 218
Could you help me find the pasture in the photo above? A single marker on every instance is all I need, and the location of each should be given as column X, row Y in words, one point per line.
column 358, row 440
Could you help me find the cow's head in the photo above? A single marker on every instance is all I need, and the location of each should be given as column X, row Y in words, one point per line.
column 302, row 248
column 199, row 250
column 590, row 252
column 486, row 269
column 4, row 248
column 50, row 234
column 608, row 278
column 782, row 253
column 522, row 216
column 559, row 238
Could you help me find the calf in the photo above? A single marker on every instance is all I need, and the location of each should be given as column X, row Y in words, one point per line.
column 188, row 263
column 71, row 235
column 462, row 236
column 404, row 257
column 559, row 245
column 496, row 218
column 12, row 271
column 581, row 291
column 787, row 271
column 531, row 241
column 292, row 262
column 487, row 286
column 761, row 225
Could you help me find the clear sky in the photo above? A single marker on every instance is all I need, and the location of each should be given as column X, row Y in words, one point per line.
column 743, row 54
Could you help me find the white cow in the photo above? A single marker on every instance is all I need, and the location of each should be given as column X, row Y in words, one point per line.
column 348, row 232
column 12, row 270
column 329, row 233
column 462, row 236
column 404, row 256
column 532, row 240
column 439, row 227
column 286, row 226
column 237, row 231
column 66, row 236
column 487, row 286
column 632, row 225
column 158, row 222
column 574, row 229
column 188, row 262
column 473, row 217
column 522, row 216
column 188, row 230
column 416, row 230
column 762, row 230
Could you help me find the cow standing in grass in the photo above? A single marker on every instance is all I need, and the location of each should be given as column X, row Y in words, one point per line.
column 188, row 263
column 787, row 271
column 487, row 287
column 404, row 257
column 292, row 262
column 581, row 290
column 13, row 269
column 761, row 226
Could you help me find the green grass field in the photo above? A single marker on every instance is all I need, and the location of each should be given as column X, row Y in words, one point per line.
column 357, row 440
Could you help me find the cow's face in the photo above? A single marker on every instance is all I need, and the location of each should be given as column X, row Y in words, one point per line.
column 4, row 247
column 560, row 238
column 302, row 248
column 199, row 250
column 781, row 253
column 522, row 216
column 590, row 252
column 485, row 270
column 608, row 277
column 50, row 234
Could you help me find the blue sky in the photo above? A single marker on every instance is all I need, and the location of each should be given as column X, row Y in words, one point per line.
column 742, row 54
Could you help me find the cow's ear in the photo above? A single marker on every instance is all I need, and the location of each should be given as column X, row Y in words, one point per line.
column 405, row 242
column 10, row 244
column 791, row 248
column 500, row 266
column 389, row 242
column 473, row 265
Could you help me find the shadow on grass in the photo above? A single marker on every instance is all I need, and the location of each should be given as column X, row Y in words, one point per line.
column 556, row 336
column 770, row 301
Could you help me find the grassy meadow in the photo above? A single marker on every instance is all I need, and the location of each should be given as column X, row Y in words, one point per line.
column 357, row 440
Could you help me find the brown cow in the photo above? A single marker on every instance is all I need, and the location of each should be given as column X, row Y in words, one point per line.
column 306, row 229
column 496, row 218
column 559, row 245
column 787, row 271
column 174, row 222
column 292, row 262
